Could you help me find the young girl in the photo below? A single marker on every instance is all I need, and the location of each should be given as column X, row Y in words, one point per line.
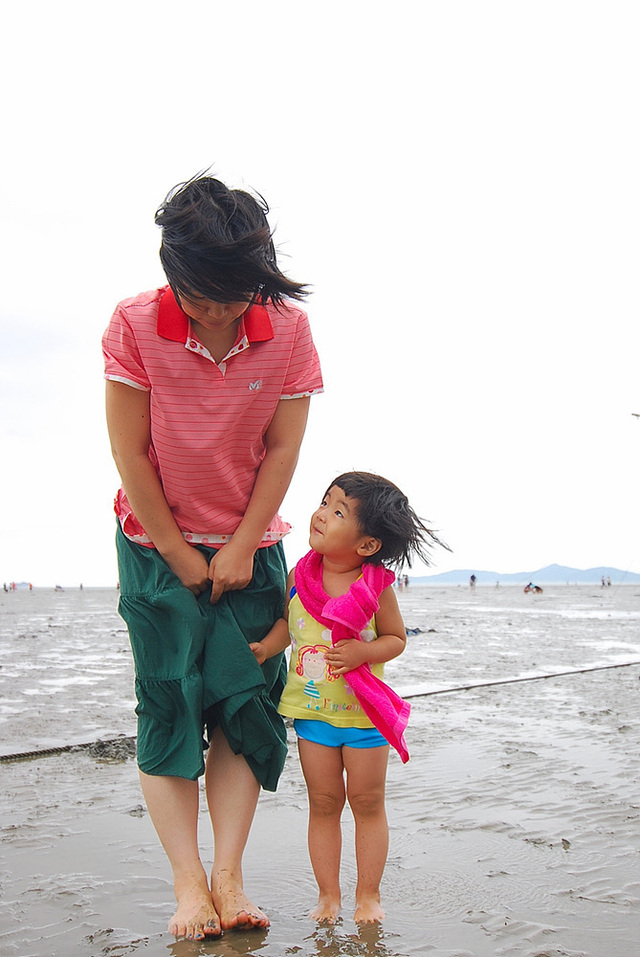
column 208, row 385
column 342, row 621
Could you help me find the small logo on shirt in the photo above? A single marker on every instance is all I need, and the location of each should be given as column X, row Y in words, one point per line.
column 254, row 386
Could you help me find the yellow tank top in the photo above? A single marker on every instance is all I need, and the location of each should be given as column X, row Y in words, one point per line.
column 312, row 691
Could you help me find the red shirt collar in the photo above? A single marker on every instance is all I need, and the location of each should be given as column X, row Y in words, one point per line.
column 173, row 323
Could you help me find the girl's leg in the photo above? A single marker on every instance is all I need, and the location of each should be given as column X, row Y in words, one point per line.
column 232, row 796
column 323, row 772
column 366, row 772
column 173, row 805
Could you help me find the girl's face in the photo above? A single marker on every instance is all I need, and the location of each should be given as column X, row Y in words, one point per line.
column 335, row 531
column 212, row 315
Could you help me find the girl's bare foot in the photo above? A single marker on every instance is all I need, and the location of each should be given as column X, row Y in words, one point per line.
column 233, row 905
column 195, row 917
column 368, row 911
column 326, row 911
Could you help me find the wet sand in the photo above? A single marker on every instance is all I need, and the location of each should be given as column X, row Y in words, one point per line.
column 514, row 827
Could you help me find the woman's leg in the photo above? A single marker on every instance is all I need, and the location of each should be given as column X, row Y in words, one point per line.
column 232, row 795
column 167, row 631
column 366, row 772
column 173, row 805
column 323, row 773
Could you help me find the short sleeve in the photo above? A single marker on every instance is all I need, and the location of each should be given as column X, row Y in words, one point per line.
column 304, row 376
column 122, row 359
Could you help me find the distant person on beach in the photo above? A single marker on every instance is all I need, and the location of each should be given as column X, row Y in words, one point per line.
column 209, row 379
column 472, row 582
column 342, row 609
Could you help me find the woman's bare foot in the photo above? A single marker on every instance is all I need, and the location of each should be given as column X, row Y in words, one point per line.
column 195, row 917
column 233, row 905
column 327, row 910
column 368, row 910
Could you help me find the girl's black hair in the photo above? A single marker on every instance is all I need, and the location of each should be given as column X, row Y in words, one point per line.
column 383, row 512
column 216, row 244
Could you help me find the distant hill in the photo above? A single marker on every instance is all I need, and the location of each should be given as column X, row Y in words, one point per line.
column 551, row 575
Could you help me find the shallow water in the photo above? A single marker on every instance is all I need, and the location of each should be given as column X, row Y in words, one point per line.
column 514, row 827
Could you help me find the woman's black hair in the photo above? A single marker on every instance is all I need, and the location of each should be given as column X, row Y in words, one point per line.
column 383, row 512
column 217, row 244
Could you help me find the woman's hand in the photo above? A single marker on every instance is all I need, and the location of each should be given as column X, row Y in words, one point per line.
column 191, row 567
column 230, row 569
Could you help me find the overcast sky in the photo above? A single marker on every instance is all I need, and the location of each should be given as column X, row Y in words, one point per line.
column 458, row 181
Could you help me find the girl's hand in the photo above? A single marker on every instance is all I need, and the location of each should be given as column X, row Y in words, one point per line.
column 346, row 655
column 192, row 569
column 231, row 569
column 258, row 650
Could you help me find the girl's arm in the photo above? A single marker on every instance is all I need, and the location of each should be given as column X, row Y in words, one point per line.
column 129, row 425
column 232, row 567
column 391, row 641
column 278, row 638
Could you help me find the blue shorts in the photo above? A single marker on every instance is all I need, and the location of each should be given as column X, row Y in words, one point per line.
column 321, row 732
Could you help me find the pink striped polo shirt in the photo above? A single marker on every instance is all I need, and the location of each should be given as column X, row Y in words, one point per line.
column 208, row 420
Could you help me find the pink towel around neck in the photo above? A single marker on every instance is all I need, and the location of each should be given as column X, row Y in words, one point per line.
column 346, row 616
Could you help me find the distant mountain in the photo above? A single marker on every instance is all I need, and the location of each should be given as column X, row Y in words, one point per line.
column 551, row 575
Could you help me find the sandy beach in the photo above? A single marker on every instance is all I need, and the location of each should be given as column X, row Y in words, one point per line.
column 514, row 827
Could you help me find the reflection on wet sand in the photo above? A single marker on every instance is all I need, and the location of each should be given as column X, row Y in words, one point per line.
column 514, row 827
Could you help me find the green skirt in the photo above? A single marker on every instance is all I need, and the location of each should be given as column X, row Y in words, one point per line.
column 194, row 667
